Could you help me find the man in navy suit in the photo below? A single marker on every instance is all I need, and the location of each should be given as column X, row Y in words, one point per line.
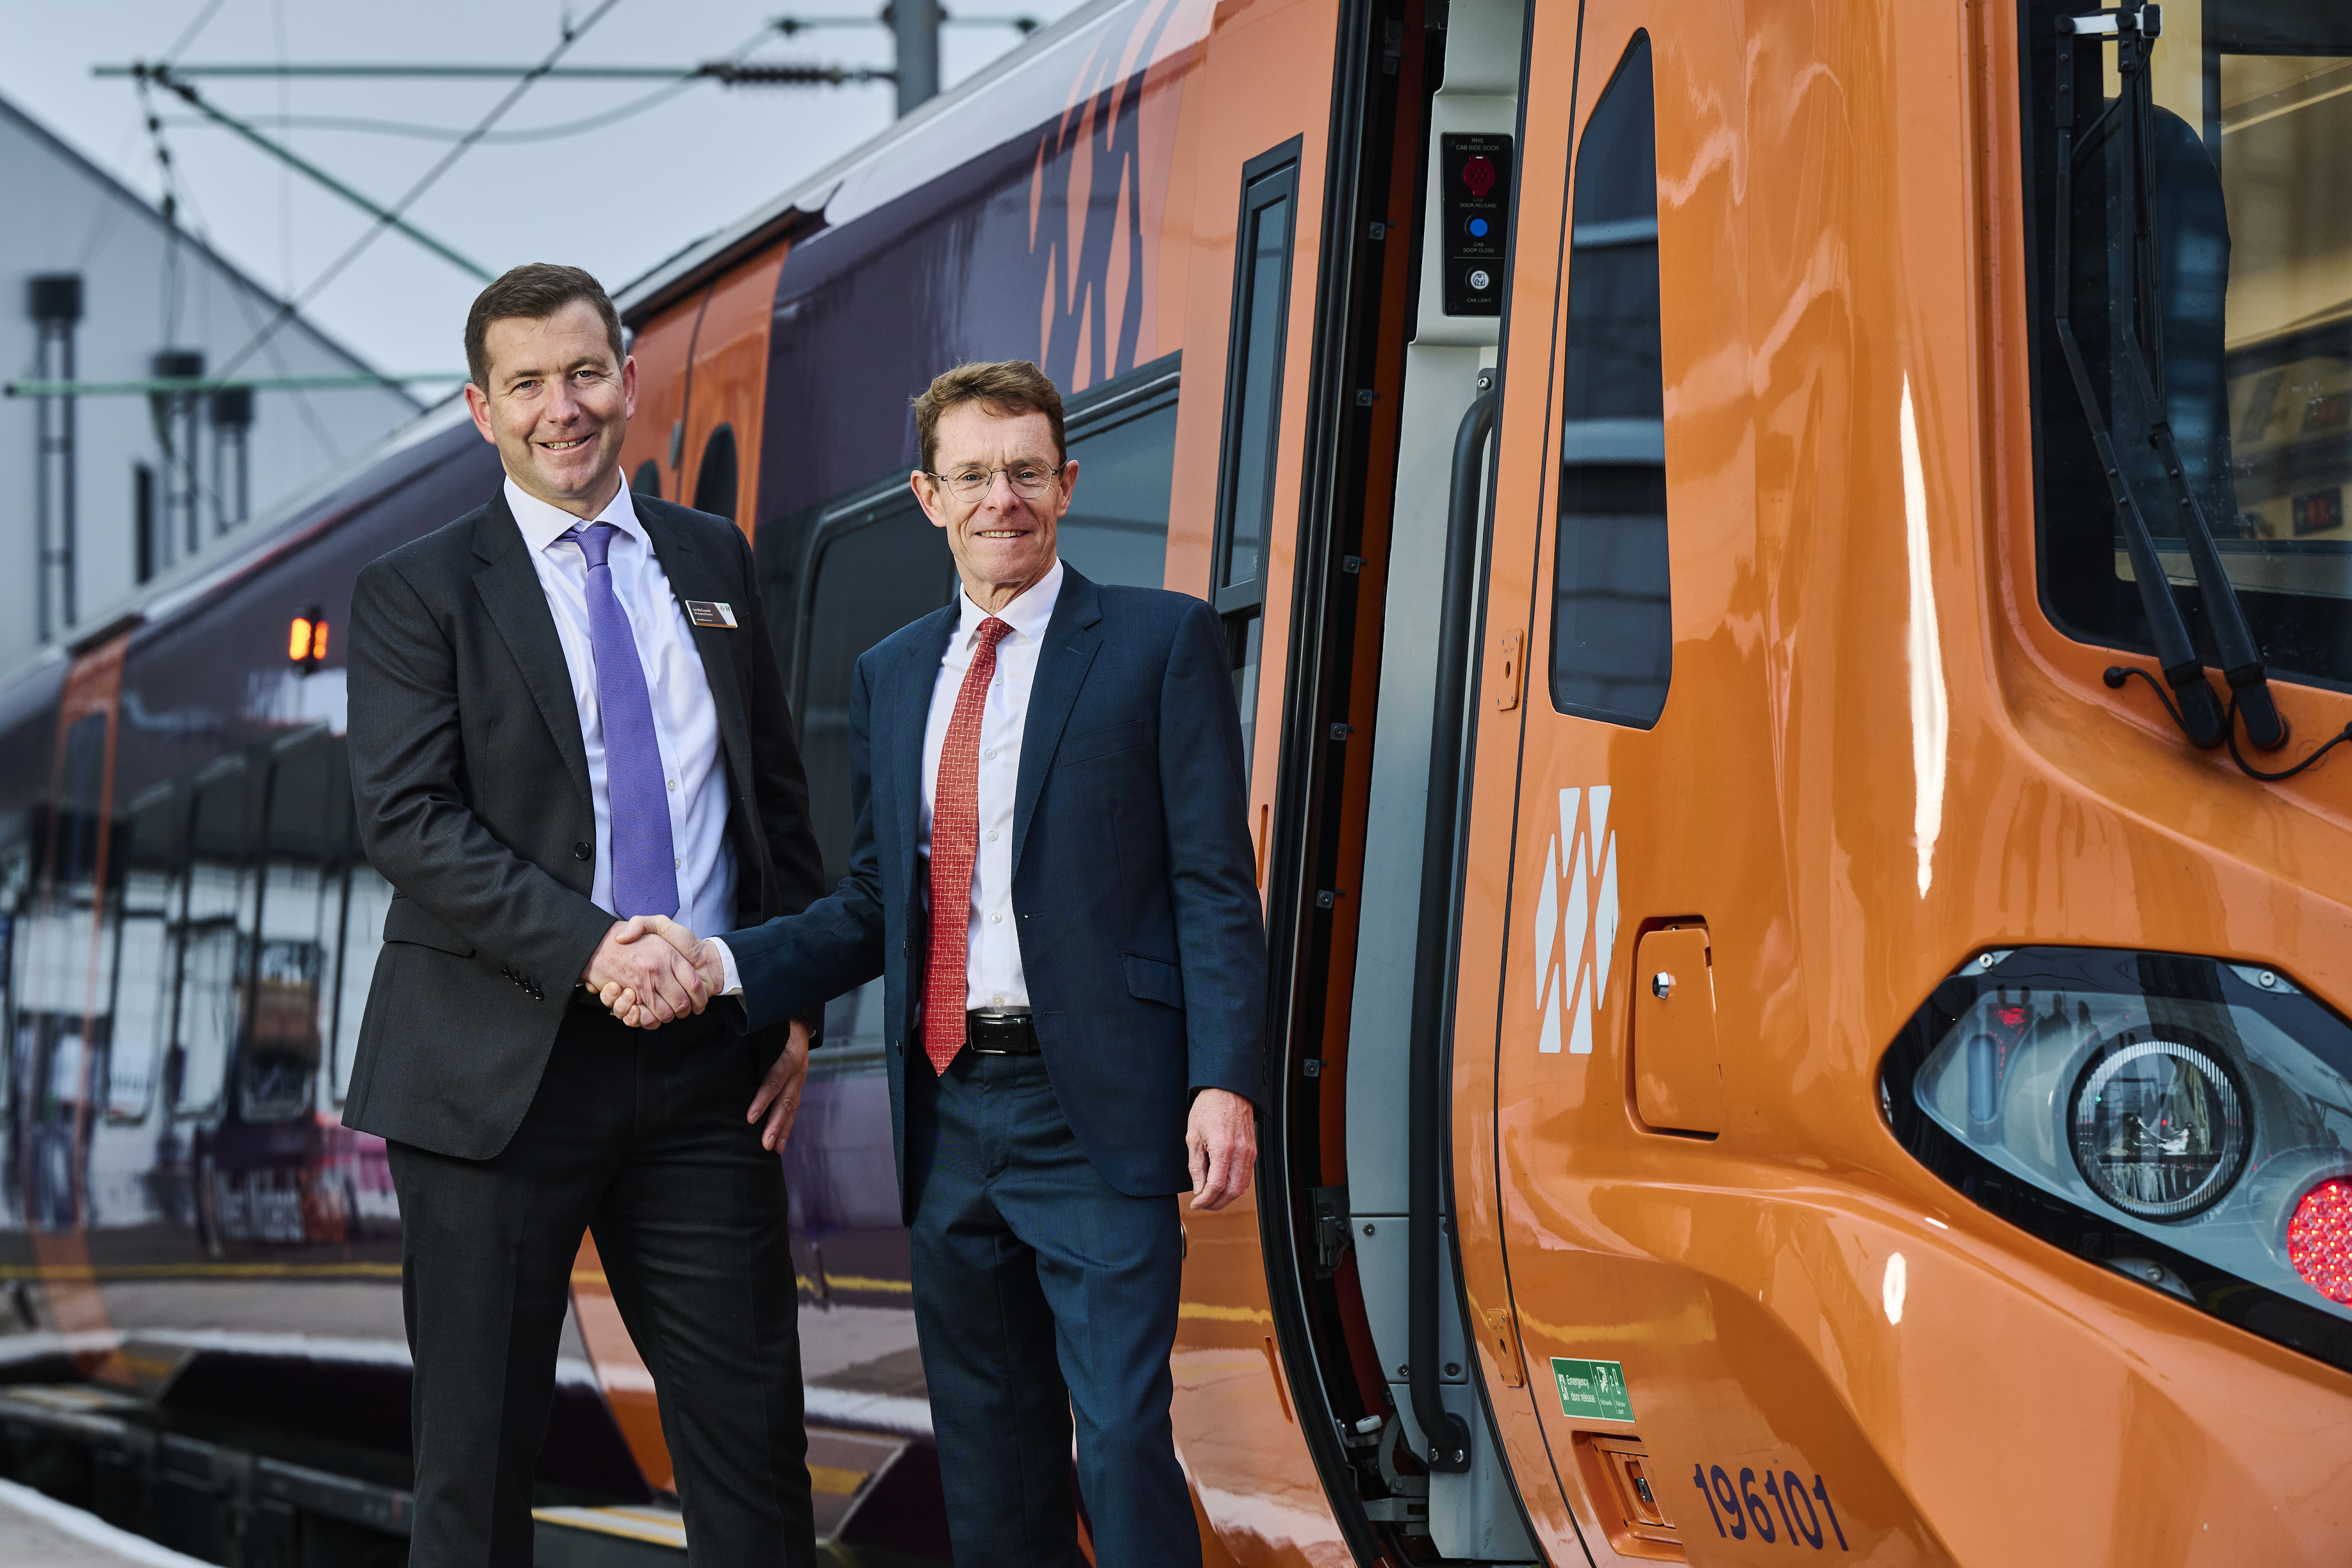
column 1052, row 869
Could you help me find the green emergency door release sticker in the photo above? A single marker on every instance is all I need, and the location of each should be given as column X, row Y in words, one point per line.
column 1592, row 1388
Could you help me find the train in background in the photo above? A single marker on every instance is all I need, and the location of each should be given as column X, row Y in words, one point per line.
column 1781, row 1046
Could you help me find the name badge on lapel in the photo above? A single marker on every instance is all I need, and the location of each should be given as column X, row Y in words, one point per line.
column 703, row 613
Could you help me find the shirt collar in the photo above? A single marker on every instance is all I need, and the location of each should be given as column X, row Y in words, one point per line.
column 542, row 525
column 1028, row 615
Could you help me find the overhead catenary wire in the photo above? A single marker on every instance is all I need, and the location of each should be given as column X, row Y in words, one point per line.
column 188, row 34
column 289, row 309
column 729, row 72
column 161, row 76
column 364, row 126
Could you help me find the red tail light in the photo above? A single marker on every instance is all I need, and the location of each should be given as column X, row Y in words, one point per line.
column 2319, row 1239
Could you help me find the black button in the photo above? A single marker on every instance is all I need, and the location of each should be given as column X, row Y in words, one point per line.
column 582, row 851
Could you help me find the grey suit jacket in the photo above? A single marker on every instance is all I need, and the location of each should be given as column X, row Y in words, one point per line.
column 471, row 781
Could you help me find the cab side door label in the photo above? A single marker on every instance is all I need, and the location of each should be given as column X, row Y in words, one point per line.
column 1781, row 1510
column 1592, row 1388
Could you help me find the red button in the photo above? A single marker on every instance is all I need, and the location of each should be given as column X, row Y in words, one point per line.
column 1478, row 173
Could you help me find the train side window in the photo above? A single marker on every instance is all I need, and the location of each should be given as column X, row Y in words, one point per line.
column 152, row 887
column 366, row 898
column 358, row 926
column 1123, row 439
column 81, row 786
column 647, row 480
column 1261, row 251
column 142, row 521
column 879, row 564
column 215, row 950
column 300, row 917
column 714, row 482
column 1612, row 626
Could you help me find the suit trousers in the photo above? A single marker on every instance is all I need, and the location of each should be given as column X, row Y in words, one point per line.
column 1042, row 1292
column 638, row 1135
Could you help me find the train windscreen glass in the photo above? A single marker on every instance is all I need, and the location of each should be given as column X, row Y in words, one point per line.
column 2211, row 231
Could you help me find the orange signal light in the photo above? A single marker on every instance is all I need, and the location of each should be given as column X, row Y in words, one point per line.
column 306, row 638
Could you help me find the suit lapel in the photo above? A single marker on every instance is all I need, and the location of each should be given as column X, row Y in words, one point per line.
column 916, row 678
column 509, row 588
column 1071, row 644
column 690, row 577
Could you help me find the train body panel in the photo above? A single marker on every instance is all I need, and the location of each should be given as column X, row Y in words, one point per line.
column 1655, row 1088
column 1869, row 759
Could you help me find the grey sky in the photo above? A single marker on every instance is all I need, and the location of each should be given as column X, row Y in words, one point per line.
column 615, row 199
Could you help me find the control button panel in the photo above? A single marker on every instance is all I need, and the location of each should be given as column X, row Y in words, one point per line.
column 1474, row 180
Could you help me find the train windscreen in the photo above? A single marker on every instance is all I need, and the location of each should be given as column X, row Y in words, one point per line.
column 2190, row 237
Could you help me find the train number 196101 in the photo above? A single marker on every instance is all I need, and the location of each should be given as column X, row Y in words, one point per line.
column 1784, row 1500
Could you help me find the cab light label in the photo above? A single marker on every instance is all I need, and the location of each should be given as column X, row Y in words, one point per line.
column 1592, row 1389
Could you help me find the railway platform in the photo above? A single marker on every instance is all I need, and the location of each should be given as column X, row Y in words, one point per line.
column 37, row 1532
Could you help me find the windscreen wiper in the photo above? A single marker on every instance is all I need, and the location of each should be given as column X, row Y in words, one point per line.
column 2199, row 714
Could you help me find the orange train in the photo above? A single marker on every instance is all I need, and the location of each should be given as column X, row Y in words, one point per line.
column 1787, row 575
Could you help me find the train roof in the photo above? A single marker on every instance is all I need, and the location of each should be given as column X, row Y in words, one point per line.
column 308, row 512
column 953, row 129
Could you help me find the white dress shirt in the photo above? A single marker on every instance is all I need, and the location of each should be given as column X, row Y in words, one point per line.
column 686, row 723
column 994, row 979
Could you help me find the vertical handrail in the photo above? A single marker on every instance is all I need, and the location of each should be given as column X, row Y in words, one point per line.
column 1446, row 1433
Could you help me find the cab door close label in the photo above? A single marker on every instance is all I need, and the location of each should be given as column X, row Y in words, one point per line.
column 1592, row 1389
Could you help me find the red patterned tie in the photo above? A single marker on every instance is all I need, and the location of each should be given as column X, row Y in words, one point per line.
column 955, row 843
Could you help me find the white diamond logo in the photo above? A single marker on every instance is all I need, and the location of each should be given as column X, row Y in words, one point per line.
column 1576, row 922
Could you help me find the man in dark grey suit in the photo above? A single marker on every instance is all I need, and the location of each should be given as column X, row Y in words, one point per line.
column 566, row 718
column 1052, row 869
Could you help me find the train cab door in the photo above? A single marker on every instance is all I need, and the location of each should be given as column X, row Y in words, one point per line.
column 1453, row 1481
column 1619, row 932
column 61, row 954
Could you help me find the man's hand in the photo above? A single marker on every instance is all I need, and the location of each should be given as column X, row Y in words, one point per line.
column 780, row 1091
column 702, row 957
column 646, row 983
column 700, row 952
column 1220, row 1136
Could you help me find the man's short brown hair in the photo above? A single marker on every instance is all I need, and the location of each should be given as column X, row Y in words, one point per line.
column 1006, row 388
column 534, row 292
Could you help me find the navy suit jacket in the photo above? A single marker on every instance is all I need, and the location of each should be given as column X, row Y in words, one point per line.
column 1133, row 878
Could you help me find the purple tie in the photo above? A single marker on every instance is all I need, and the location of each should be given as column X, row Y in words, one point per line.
column 645, row 863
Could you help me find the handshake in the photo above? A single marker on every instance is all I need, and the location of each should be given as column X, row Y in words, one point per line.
column 649, row 970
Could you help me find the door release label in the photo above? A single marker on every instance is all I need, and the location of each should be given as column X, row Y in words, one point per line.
column 1592, row 1388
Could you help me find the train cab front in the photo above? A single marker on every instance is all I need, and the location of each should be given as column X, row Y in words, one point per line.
column 1837, row 806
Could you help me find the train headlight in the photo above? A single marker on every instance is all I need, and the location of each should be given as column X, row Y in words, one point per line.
column 2184, row 1121
column 2159, row 1127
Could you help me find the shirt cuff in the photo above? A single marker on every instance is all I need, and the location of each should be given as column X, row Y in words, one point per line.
column 727, row 962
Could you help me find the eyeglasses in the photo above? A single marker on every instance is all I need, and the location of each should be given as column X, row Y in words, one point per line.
column 972, row 482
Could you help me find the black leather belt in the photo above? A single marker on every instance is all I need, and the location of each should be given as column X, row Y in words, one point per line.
column 1001, row 1034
